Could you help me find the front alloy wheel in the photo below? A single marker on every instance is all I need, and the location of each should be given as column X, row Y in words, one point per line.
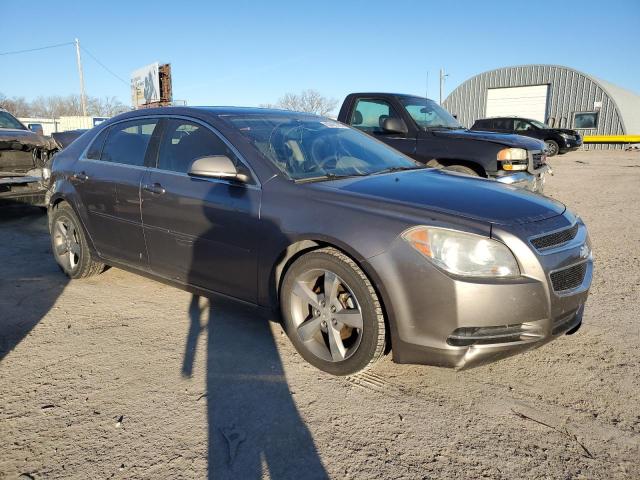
column 551, row 148
column 332, row 313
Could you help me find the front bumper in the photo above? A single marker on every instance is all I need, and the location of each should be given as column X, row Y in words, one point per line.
column 444, row 320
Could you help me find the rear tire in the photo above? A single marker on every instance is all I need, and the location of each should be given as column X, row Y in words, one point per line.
column 551, row 148
column 332, row 313
column 462, row 169
column 69, row 244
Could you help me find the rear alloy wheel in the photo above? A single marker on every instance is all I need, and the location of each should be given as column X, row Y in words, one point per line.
column 462, row 169
column 332, row 313
column 69, row 244
column 551, row 148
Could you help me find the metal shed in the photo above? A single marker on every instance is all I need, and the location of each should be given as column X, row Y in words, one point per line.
column 560, row 96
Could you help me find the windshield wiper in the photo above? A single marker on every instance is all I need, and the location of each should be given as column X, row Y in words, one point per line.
column 399, row 169
column 329, row 176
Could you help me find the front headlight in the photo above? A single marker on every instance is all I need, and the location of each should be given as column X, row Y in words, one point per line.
column 513, row 159
column 463, row 253
column 566, row 136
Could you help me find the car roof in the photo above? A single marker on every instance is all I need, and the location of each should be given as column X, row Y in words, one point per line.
column 212, row 110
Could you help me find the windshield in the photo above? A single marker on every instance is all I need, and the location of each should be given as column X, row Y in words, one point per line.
column 540, row 124
column 428, row 114
column 9, row 121
column 316, row 148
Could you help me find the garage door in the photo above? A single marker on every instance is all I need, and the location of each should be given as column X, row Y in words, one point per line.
column 527, row 102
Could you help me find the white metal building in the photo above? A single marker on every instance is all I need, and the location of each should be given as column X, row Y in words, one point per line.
column 559, row 96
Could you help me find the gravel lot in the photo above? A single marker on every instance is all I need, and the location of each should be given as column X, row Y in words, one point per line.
column 121, row 376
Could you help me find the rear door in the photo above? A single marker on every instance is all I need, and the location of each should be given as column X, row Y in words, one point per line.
column 108, row 179
column 200, row 231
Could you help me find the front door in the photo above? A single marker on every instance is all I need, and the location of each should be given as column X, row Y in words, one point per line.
column 200, row 231
column 108, row 182
column 369, row 114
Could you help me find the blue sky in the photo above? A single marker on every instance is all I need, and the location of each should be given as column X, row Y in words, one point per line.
column 246, row 53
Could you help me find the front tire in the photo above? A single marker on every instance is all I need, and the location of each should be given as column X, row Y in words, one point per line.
column 551, row 148
column 69, row 244
column 332, row 313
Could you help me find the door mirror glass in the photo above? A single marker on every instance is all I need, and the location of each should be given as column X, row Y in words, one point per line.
column 216, row 166
column 394, row 125
column 36, row 127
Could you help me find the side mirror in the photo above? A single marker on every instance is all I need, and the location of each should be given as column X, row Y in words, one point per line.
column 36, row 128
column 216, row 166
column 394, row 125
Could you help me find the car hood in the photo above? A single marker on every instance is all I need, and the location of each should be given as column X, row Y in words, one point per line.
column 507, row 139
column 456, row 194
column 565, row 130
column 10, row 136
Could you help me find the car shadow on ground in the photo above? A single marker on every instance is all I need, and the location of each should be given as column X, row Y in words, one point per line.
column 30, row 279
column 253, row 424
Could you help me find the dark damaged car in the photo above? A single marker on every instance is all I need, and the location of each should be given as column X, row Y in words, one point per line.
column 362, row 249
column 23, row 158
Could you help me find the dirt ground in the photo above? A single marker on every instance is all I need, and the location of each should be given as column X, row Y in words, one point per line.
column 120, row 376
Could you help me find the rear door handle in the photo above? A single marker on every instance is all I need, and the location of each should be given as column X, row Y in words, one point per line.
column 81, row 177
column 156, row 188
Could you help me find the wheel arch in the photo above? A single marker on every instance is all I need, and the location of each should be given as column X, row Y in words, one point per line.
column 447, row 162
column 305, row 245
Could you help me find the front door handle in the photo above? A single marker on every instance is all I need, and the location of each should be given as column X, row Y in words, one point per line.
column 156, row 188
column 81, row 177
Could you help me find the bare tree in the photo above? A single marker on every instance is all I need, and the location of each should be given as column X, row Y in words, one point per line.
column 310, row 101
column 56, row 106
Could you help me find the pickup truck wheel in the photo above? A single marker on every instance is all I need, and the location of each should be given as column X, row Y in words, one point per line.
column 332, row 313
column 462, row 169
column 551, row 148
column 69, row 244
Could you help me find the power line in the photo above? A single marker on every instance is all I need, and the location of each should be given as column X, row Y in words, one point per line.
column 36, row 49
column 104, row 66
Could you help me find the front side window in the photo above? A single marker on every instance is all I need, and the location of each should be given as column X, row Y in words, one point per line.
column 428, row 114
column 127, row 142
column 369, row 115
column 184, row 141
column 523, row 125
column 585, row 120
column 317, row 148
column 9, row 121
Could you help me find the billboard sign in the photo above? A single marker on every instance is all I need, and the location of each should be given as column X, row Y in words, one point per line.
column 145, row 85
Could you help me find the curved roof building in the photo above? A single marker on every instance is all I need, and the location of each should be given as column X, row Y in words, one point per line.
column 560, row 96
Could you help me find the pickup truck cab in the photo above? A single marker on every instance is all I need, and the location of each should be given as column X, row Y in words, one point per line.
column 421, row 129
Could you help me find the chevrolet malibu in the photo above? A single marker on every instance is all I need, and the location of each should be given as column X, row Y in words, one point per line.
column 363, row 250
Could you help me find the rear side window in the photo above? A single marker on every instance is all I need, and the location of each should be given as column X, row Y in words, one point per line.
column 369, row 115
column 482, row 124
column 127, row 142
column 95, row 150
column 503, row 124
column 184, row 141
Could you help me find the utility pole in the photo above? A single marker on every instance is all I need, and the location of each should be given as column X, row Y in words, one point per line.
column 442, row 77
column 426, row 92
column 83, row 97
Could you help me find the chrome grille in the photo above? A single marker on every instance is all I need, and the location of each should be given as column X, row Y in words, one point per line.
column 569, row 278
column 556, row 238
column 538, row 160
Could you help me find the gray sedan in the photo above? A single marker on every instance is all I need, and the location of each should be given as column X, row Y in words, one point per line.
column 363, row 250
